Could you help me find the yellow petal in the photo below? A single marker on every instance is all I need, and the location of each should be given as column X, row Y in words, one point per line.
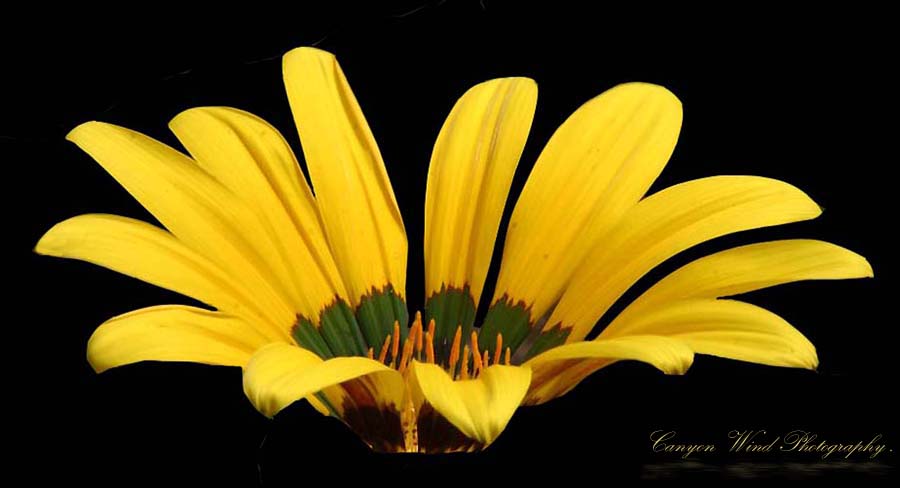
column 728, row 329
column 148, row 253
column 560, row 369
column 355, row 198
column 471, row 168
column 748, row 268
column 667, row 223
column 479, row 408
column 192, row 205
column 667, row 355
column 173, row 333
column 596, row 166
column 376, row 407
column 280, row 374
column 253, row 160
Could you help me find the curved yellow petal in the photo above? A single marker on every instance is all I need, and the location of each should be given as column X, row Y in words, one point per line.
column 747, row 268
column 471, row 168
column 173, row 333
column 597, row 165
column 148, row 253
column 668, row 355
column 728, row 329
column 667, row 223
column 280, row 374
column 252, row 159
column 192, row 205
column 355, row 198
column 479, row 408
column 560, row 369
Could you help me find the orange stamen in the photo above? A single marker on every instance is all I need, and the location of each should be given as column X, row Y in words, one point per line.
column 507, row 356
column 454, row 350
column 407, row 352
column 485, row 358
column 431, row 327
column 384, row 349
column 499, row 348
column 418, row 327
column 464, row 367
column 429, row 346
column 370, row 353
column 476, row 356
column 414, row 332
column 395, row 346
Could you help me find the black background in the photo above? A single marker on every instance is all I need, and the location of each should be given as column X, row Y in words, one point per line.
column 801, row 96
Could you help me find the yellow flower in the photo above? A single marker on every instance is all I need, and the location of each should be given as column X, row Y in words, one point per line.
column 308, row 291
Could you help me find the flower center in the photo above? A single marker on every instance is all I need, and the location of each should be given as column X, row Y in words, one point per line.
column 463, row 361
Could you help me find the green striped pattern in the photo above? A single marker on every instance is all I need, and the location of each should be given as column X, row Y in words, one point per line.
column 343, row 332
column 450, row 308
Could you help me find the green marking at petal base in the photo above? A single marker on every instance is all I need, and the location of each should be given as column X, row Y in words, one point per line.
column 546, row 339
column 450, row 308
column 307, row 336
column 512, row 320
column 340, row 330
column 376, row 314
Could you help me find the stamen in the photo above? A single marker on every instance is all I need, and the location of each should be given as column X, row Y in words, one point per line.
column 419, row 345
column 431, row 327
column 417, row 325
column 454, row 350
column 464, row 367
column 395, row 346
column 429, row 344
column 476, row 370
column 414, row 338
column 407, row 352
column 384, row 349
column 476, row 356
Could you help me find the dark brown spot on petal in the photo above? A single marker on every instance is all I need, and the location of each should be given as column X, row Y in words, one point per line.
column 437, row 435
column 376, row 423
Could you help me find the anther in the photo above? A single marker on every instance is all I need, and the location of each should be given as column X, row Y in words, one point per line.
column 499, row 348
column 407, row 353
column 395, row 345
column 419, row 333
column 464, row 367
column 429, row 345
column 476, row 356
column 384, row 349
column 431, row 327
column 454, row 350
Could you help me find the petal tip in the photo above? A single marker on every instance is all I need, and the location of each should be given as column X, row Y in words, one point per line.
column 649, row 89
column 867, row 270
column 307, row 52
column 48, row 244
column 523, row 83
column 94, row 358
column 75, row 135
column 85, row 135
column 185, row 115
